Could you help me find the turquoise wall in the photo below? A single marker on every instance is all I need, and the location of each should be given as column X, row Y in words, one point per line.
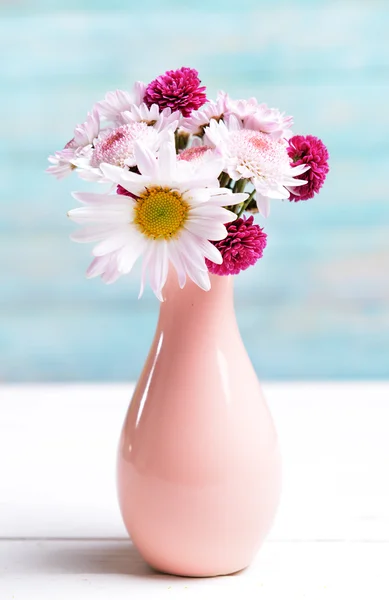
column 317, row 305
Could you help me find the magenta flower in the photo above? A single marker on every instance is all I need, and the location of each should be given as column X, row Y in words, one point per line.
column 308, row 150
column 243, row 246
column 178, row 90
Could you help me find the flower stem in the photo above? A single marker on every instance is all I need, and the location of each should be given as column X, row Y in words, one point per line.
column 239, row 186
column 246, row 203
column 224, row 179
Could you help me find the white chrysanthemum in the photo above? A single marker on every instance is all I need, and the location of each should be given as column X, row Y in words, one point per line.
column 173, row 211
column 260, row 117
column 117, row 148
column 78, row 150
column 255, row 156
column 119, row 101
column 199, row 119
column 160, row 120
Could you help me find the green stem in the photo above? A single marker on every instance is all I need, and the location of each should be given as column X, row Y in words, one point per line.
column 224, row 179
column 246, row 203
column 239, row 186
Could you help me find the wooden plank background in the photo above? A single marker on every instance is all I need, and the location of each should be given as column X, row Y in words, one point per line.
column 317, row 306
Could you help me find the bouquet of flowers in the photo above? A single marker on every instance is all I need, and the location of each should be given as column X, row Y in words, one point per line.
column 181, row 174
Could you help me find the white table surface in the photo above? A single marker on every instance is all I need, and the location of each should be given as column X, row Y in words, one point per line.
column 61, row 535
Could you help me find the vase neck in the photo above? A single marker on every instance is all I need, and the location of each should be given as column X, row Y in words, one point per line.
column 192, row 304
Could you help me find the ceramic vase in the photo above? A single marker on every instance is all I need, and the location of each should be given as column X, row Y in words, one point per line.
column 198, row 462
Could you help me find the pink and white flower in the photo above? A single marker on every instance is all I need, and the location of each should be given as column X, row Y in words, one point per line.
column 199, row 155
column 160, row 120
column 78, row 150
column 199, row 119
column 119, row 101
column 259, row 117
column 117, row 148
column 254, row 155
column 174, row 212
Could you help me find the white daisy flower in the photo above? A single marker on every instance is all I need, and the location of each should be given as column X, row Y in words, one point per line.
column 172, row 212
column 255, row 156
column 119, row 101
column 78, row 150
column 160, row 120
column 62, row 163
column 199, row 119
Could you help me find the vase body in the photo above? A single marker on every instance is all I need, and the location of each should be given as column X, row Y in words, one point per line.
column 198, row 463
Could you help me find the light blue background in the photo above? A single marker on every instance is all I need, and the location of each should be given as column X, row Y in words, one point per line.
column 317, row 305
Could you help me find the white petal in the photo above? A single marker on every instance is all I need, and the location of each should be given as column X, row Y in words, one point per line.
column 216, row 213
column 208, row 171
column 130, row 253
column 167, row 159
column 234, row 124
column 198, row 276
column 295, row 182
column 145, row 263
column 111, row 274
column 263, row 204
column 196, row 196
column 175, row 257
column 100, row 199
column 132, row 182
column 93, row 233
column 299, row 169
column 145, row 160
column 92, row 214
column 112, row 243
column 97, row 266
column 158, row 267
column 191, row 250
column 227, row 199
column 209, row 250
column 206, row 228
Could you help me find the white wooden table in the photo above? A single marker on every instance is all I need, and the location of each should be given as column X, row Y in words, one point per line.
column 61, row 535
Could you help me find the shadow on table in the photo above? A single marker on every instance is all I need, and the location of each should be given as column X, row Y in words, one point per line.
column 101, row 557
column 120, row 558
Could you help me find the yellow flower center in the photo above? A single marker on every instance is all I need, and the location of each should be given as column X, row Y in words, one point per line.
column 160, row 213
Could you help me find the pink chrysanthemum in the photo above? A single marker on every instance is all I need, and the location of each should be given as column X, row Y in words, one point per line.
column 311, row 151
column 243, row 246
column 198, row 155
column 178, row 90
column 193, row 154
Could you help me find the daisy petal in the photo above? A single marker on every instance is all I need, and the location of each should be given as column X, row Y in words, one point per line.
column 175, row 257
column 97, row 266
column 93, row 233
column 145, row 159
column 198, row 276
column 167, row 159
column 112, row 243
column 227, row 198
column 158, row 268
column 112, row 214
column 99, row 199
column 129, row 254
column 213, row 212
column 206, row 228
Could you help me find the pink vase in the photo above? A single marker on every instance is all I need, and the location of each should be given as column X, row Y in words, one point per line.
column 198, row 466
